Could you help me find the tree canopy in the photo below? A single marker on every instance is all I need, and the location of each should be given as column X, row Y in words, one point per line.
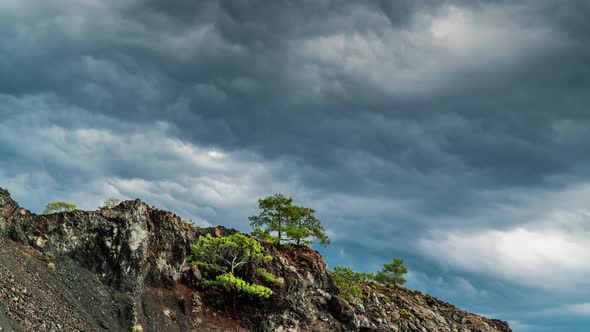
column 273, row 217
column 224, row 257
column 392, row 273
column 290, row 222
column 303, row 225
column 227, row 253
column 110, row 202
column 59, row 206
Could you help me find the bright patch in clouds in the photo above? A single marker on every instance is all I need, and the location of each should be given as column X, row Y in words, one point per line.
column 545, row 259
column 445, row 44
column 581, row 309
column 550, row 250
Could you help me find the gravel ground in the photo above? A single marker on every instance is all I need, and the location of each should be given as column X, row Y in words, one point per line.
column 36, row 298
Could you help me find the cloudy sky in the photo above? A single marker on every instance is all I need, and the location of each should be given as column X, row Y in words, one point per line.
column 453, row 134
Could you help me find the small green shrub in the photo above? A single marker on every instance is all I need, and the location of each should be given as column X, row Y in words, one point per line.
column 269, row 276
column 136, row 328
column 349, row 282
column 405, row 313
column 110, row 203
column 48, row 257
column 229, row 281
column 51, row 266
column 352, row 293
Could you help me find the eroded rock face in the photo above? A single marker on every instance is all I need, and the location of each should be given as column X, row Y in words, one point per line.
column 140, row 253
column 309, row 301
column 124, row 245
column 301, row 304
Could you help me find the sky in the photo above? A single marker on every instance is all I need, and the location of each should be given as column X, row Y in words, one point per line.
column 453, row 134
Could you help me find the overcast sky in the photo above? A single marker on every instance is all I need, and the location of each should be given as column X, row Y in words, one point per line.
column 453, row 134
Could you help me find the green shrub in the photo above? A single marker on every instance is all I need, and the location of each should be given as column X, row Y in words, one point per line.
column 231, row 282
column 110, row 203
column 269, row 276
column 136, row 328
column 405, row 314
column 349, row 282
column 48, row 257
column 224, row 257
column 59, row 206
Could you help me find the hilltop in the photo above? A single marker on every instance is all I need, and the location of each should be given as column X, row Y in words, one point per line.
column 127, row 266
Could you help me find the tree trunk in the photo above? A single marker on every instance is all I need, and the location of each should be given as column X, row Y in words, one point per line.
column 280, row 227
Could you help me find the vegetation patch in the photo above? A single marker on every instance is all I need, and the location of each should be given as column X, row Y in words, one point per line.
column 392, row 273
column 269, row 276
column 110, row 203
column 405, row 313
column 291, row 223
column 48, row 257
column 231, row 282
column 59, row 206
column 136, row 328
column 223, row 258
column 349, row 282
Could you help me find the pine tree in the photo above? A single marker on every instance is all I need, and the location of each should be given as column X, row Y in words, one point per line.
column 392, row 273
column 290, row 222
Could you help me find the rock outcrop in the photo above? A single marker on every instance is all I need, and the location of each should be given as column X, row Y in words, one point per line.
column 127, row 265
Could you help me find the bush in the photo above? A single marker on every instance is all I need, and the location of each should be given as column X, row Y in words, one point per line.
column 110, row 203
column 224, row 257
column 269, row 276
column 349, row 282
column 405, row 313
column 51, row 266
column 59, row 206
column 48, row 257
column 231, row 282
column 136, row 328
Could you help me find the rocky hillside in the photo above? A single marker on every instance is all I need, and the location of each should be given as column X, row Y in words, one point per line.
column 127, row 266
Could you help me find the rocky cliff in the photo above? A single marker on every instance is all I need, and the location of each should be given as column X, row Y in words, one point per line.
column 125, row 266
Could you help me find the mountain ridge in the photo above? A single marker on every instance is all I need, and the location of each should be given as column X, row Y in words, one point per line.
column 128, row 265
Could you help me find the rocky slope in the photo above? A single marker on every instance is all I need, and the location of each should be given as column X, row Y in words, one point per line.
column 125, row 266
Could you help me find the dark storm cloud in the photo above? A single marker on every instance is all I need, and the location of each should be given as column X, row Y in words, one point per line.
column 396, row 119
